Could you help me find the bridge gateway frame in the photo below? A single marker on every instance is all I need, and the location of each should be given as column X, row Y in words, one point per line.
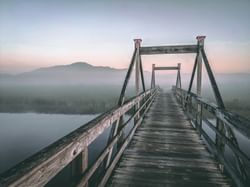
column 223, row 128
column 224, row 133
column 224, row 119
column 40, row 168
column 178, row 78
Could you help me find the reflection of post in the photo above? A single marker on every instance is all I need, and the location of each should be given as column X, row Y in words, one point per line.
column 137, row 73
column 200, row 40
column 218, row 140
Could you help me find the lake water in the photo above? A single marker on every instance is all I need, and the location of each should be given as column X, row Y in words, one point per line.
column 21, row 135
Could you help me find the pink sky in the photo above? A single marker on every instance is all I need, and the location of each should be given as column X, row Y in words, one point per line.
column 45, row 33
column 224, row 58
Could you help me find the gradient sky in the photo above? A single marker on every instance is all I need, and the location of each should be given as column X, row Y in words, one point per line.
column 39, row 33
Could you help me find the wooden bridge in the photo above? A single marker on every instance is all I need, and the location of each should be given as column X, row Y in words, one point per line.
column 167, row 145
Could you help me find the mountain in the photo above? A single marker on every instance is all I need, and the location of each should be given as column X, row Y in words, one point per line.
column 77, row 66
column 82, row 73
column 73, row 74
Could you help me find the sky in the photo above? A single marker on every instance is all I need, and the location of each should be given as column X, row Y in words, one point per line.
column 41, row 33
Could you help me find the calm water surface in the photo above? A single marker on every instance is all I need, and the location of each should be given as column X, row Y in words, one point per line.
column 21, row 135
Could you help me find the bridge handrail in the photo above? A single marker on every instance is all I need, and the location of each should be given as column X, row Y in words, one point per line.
column 43, row 166
column 230, row 120
column 234, row 120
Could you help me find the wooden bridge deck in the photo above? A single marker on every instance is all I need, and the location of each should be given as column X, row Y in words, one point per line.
column 167, row 151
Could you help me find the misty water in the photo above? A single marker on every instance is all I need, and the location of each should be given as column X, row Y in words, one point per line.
column 21, row 135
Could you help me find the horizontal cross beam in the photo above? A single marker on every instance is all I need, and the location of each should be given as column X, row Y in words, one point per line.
column 175, row 49
column 166, row 68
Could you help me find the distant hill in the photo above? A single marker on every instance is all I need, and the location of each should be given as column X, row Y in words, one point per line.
column 82, row 73
column 73, row 74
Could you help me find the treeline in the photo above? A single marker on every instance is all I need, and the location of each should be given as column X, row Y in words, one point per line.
column 41, row 105
column 239, row 107
column 59, row 99
column 83, row 99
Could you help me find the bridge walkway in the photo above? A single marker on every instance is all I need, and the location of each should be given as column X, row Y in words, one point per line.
column 167, row 151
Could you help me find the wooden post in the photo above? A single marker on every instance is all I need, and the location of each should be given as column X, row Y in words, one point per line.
column 142, row 76
column 111, row 150
column 200, row 40
column 84, row 161
column 137, row 73
column 179, row 83
column 79, row 165
column 199, row 64
column 179, row 74
column 153, row 76
column 137, row 66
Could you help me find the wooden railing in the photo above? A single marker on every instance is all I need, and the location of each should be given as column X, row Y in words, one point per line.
column 226, row 124
column 42, row 167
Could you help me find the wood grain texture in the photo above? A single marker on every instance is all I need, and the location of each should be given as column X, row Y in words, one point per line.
column 167, row 151
column 166, row 68
column 175, row 49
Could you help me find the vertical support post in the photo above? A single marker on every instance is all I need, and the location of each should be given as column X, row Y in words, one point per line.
column 137, row 65
column 179, row 83
column 137, row 74
column 200, row 40
column 79, row 165
column 84, row 161
column 179, row 74
column 153, row 76
column 142, row 76
column 177, row 80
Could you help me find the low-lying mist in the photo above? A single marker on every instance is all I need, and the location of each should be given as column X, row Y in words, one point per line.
column 80, row 88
